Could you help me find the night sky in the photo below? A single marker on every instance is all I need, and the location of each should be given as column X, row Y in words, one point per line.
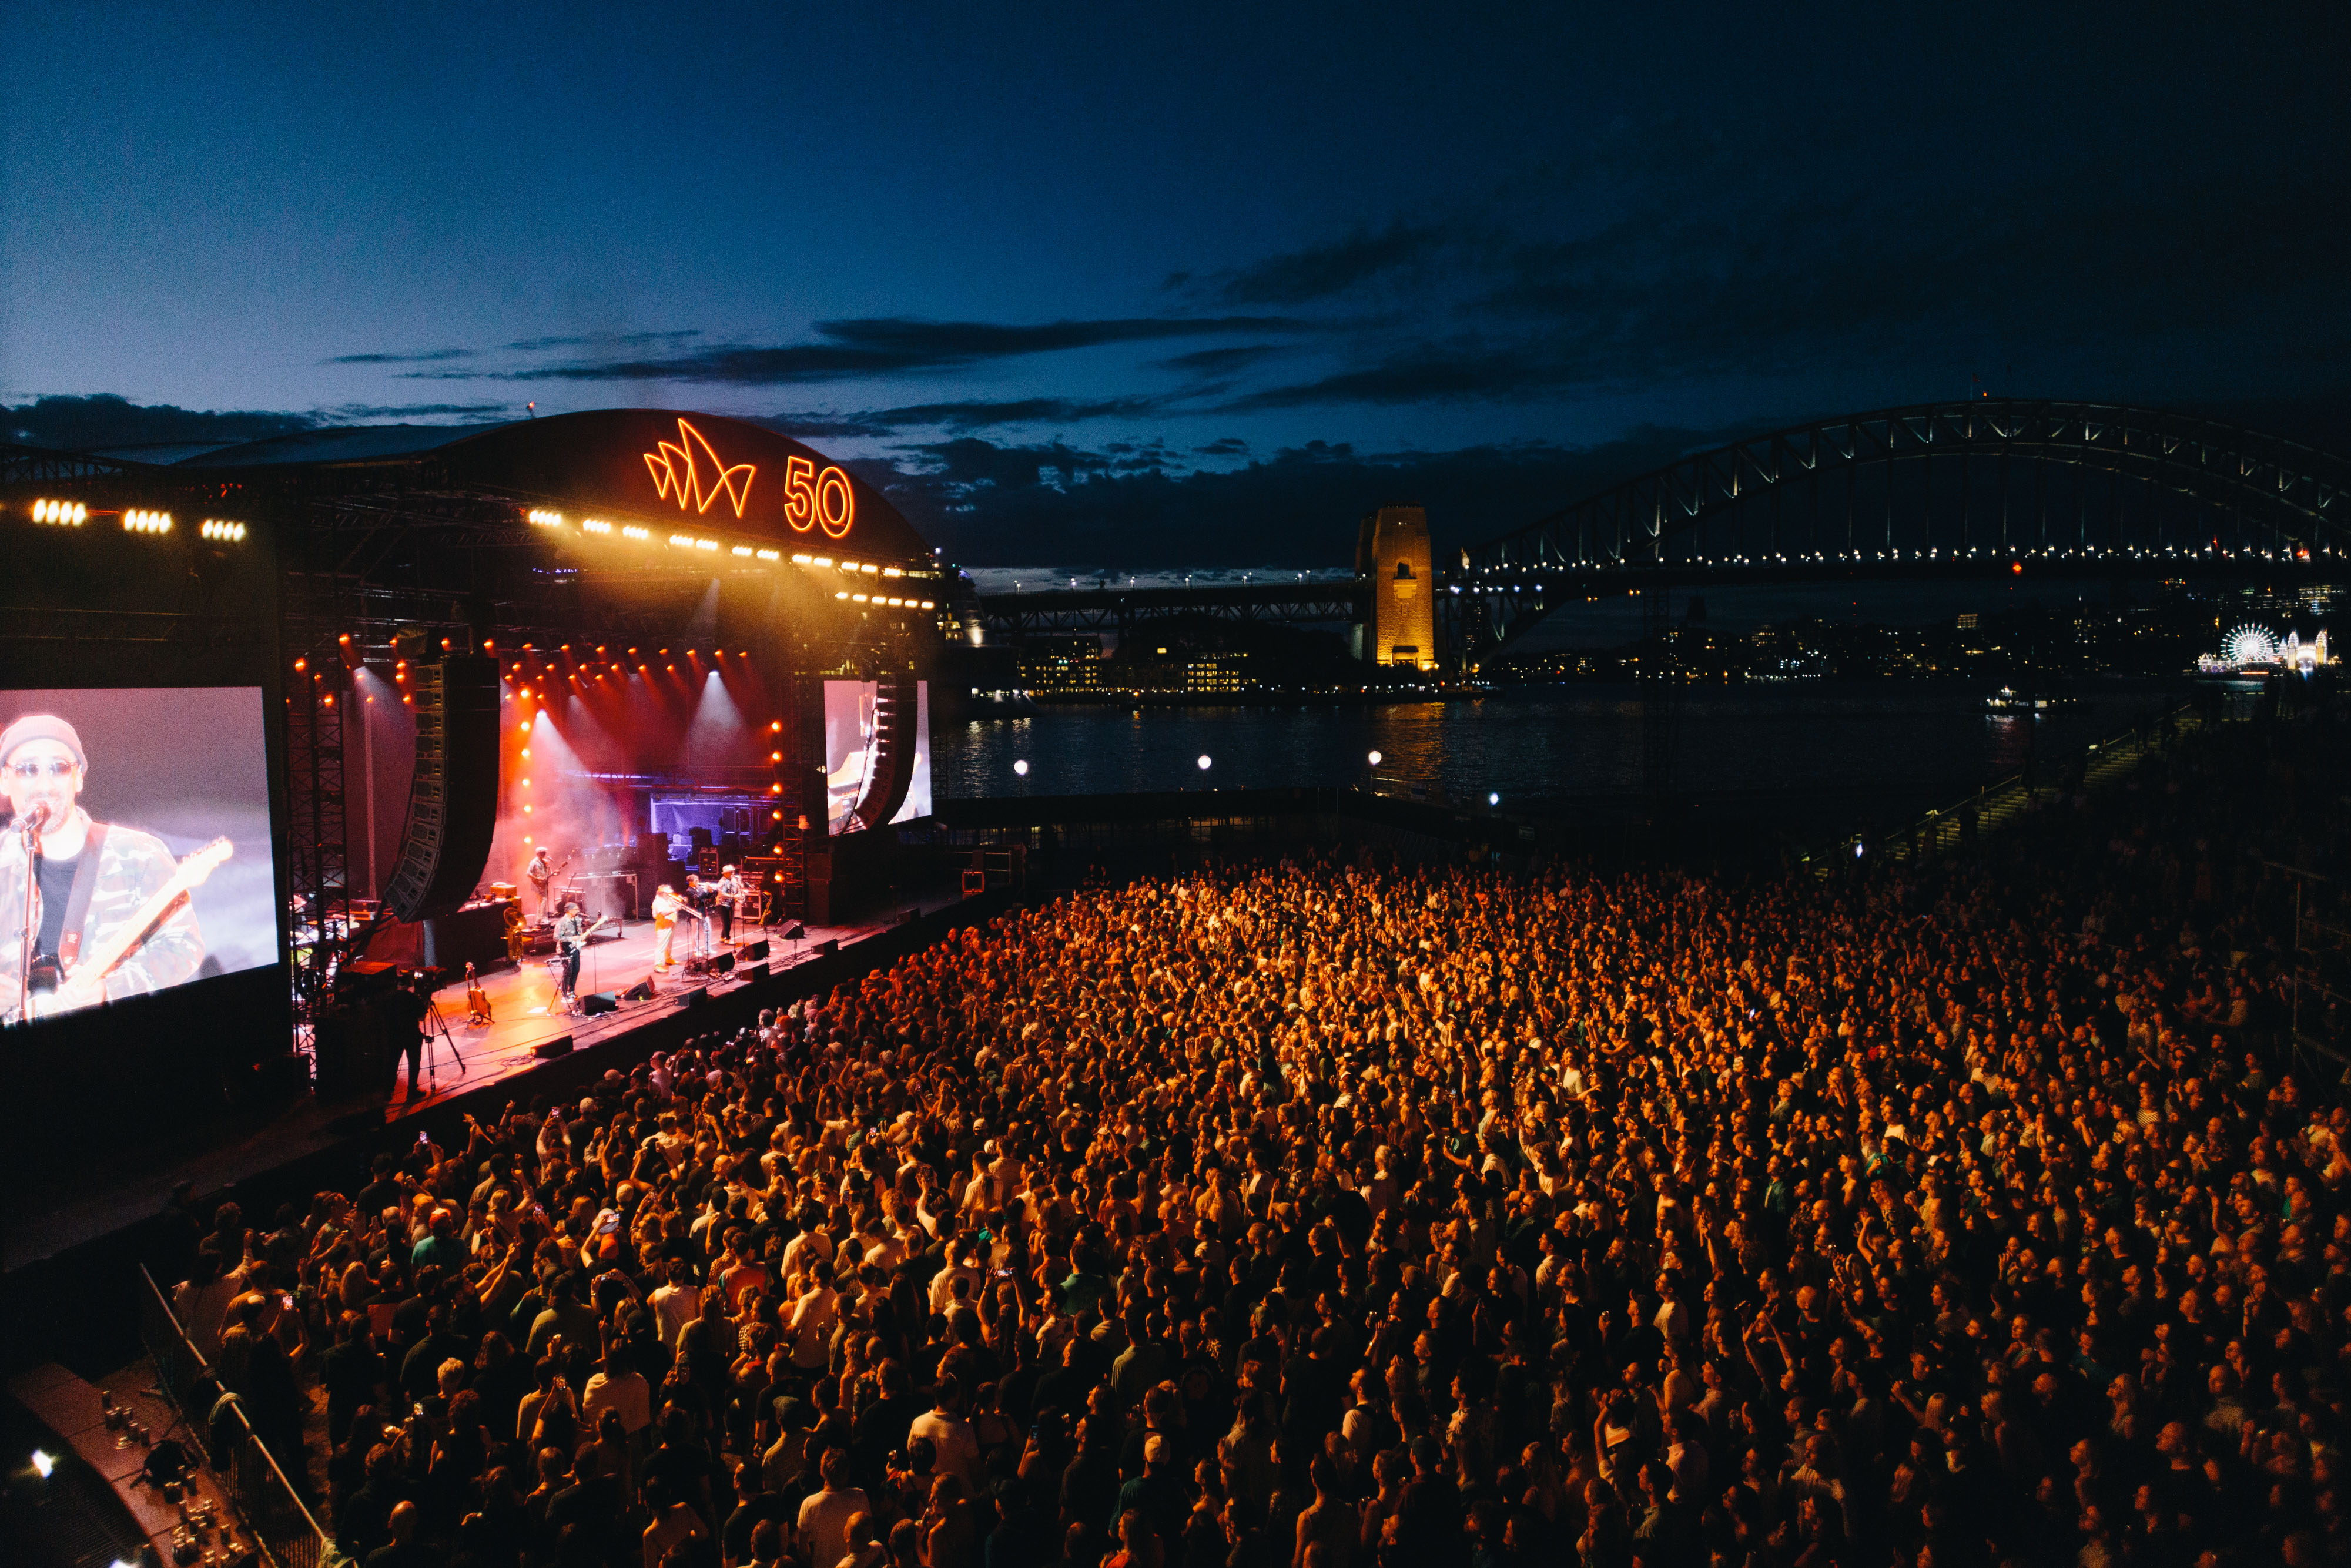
column 1127, row 287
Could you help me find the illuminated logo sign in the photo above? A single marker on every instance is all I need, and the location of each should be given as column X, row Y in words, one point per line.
column 690, row 472
column 813, row 499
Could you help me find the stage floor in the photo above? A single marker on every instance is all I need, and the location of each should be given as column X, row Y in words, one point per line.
column 46, row 1218
column 524, row 1017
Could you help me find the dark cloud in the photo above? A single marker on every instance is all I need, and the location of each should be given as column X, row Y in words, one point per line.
column 1297, row 508
column 883, row 346
column 430, row 356
column 1421, row 375
column 103, row 421
column 1319, row 272
column 817, row 426
column 466, row 411
column 978, row 414
column 1219, row 361
column 1223, row 446
column 605, row 340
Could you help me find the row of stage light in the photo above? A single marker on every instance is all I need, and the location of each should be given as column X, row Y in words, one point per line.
column 639, row 533
column 137, row 520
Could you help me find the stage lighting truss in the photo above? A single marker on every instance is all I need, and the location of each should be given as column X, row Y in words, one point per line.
column 222, row 531
column 549, row 518
column 60, row 513
column 140, row 521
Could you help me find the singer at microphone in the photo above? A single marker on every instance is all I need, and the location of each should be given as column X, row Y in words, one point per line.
column 70, row 886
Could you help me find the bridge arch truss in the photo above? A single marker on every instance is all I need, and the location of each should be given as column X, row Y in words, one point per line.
column 1962, row 488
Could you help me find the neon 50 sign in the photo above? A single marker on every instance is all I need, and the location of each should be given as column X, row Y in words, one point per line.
column 689, row 472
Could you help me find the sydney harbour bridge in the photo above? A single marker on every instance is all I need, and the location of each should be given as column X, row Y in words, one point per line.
column 1986, row 489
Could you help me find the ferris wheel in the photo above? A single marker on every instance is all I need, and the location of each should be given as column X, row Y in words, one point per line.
column 2250, row 644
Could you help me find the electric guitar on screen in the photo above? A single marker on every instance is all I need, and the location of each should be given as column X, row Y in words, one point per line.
column 48, row 978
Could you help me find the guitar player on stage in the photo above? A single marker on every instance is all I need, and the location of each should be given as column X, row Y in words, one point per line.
column 90, row 882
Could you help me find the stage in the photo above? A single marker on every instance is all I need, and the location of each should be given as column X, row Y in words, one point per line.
column 264, row 1154
column 524, row 1017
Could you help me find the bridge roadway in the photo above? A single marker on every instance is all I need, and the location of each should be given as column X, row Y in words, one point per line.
column 1065, row 612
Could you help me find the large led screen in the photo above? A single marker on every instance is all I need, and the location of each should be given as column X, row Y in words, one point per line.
column 851, row 760
column 135, row 850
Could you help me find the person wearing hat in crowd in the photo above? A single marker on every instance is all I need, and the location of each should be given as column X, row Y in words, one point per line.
column 91, row 880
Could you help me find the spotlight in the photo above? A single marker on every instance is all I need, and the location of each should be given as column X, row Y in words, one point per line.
column 140, row 521
column 61, row 514
column 1375, row 759
column 1493, row 798
column 215, row 529
column 1204, row 762
column 802, row 558
column 771, row 555
column 596, row 526
column 742, row 550
column 634, row 532
column 544, row 518
column 1021, row 767
column 45, row 1462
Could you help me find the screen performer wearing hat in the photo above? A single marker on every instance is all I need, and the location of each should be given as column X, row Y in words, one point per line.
column 88, row 880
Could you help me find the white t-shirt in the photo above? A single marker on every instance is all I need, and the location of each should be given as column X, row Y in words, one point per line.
column 675, row 1306
column 824, row 1523
column 951, row 1437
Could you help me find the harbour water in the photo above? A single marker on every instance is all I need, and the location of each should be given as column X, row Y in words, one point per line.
column 1808, row 758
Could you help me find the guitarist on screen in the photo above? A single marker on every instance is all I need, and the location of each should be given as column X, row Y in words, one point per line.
column 91, row 882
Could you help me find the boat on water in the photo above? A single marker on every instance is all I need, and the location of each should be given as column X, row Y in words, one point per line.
column 2008, row 699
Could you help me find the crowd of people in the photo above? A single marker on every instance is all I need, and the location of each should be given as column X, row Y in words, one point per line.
column 1349, row 1212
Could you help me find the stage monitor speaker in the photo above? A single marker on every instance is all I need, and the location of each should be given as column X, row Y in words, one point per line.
column 796, row 932
column 905, row 917
column 753, row 952
column 643, row 991
column 722, row 963
column 453, row 792
column 826, row 948
column 596, row 1002
column 694, row 997
column 754, row 973
column 547, row 1049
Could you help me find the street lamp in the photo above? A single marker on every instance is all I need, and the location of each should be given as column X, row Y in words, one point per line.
column 1021, row 768
column 1204, row 762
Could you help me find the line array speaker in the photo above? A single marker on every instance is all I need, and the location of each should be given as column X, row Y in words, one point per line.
column 453, row 793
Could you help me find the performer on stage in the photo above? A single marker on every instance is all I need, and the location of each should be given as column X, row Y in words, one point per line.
column 541, row 877
column 571, row 939
column 730, row 893
column 92, row 879
column 666, row 903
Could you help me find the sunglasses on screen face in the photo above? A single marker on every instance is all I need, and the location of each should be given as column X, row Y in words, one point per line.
column 55, row 767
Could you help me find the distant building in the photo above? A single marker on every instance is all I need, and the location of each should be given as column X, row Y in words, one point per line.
column 1062, row 665
column 1392, row 550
